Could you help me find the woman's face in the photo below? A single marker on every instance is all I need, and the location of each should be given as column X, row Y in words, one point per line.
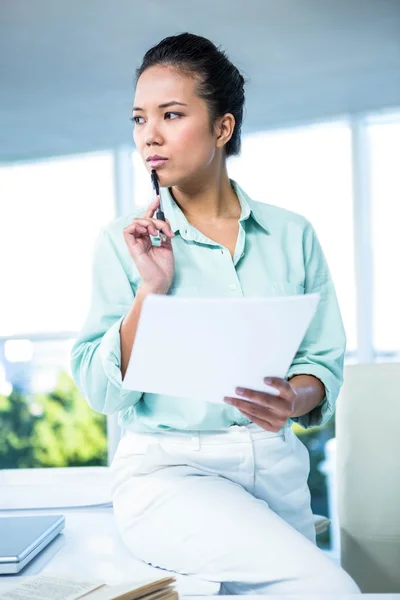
column 172, row 122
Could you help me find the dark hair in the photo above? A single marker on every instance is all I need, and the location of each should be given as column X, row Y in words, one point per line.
column 220, row 83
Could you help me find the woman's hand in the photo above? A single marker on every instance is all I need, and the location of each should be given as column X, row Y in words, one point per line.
column 154, row 263
column 266, row 410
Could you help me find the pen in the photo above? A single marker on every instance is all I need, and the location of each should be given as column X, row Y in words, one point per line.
column 159, row 214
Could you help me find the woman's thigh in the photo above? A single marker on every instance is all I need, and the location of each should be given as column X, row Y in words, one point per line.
column 182, row 519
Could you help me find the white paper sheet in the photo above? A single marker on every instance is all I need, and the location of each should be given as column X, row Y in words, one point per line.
column 47, row 587
column 203, row 348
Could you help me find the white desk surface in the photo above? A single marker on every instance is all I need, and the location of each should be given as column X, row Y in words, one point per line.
column 90, row 546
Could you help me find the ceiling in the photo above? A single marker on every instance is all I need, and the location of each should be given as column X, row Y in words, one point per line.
column 67, row 68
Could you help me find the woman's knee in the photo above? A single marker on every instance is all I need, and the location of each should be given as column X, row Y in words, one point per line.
column 334, row 580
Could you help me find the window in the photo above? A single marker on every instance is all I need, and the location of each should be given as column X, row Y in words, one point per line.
column 384, row 150
column 309, row 170
column 50, row 215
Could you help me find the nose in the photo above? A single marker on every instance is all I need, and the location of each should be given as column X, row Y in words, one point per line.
column 152, row 134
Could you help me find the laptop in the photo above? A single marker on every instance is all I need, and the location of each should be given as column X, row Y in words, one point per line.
column 22, row 538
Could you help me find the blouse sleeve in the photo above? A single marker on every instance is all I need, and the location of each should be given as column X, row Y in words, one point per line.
column 96, row 353
column 321, row 352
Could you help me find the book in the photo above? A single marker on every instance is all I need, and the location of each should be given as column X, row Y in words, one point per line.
column 60, row 587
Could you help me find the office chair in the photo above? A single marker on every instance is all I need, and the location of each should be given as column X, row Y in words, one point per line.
column 368, row 475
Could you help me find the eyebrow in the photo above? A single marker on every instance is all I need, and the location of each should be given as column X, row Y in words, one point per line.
column 165, row 105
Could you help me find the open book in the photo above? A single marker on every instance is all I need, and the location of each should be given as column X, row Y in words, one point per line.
column 53, row 587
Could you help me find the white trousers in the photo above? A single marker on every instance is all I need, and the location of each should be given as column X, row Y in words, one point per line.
column 231, row 507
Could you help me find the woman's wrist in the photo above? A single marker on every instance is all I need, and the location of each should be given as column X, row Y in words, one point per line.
column 146, row 289
column 310, row 392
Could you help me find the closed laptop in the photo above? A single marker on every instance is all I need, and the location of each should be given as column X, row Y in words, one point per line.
column 22, row 538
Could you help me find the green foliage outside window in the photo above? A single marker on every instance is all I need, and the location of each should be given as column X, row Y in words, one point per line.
column 315, row 439
column 57, row 429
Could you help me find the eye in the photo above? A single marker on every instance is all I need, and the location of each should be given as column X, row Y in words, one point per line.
column 174, row 115
column 136, row 121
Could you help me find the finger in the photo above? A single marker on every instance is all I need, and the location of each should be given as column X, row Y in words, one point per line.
column 263, row 399
column 159, row 225
column 152, row 226
column 263, row 423
column 140, row 229
column 152, row 207
column 250, row 407
column 136, row 231
column 147, row 224
column 281, row 385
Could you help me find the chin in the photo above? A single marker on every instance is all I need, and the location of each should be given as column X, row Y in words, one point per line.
column 168, row 180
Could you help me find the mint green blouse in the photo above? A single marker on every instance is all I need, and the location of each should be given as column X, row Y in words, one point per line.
column 277, row 253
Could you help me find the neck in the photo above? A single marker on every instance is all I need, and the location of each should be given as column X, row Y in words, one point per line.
column 209, row 199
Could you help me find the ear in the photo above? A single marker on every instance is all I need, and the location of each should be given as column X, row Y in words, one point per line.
column 224, row 128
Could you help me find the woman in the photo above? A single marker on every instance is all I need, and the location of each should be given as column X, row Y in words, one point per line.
column 218, row 492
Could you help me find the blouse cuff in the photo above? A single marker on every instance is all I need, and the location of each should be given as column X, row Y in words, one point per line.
column 110, row 352
column 321, row 414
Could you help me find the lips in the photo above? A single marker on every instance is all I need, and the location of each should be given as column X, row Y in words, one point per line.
column 157, row 161
column 157, row 157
